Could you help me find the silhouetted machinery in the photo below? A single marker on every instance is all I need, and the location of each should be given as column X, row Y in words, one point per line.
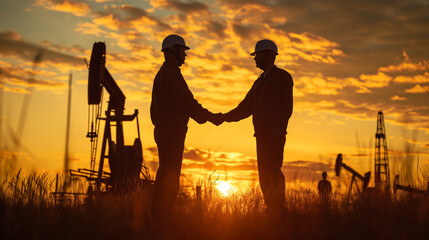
column 365, row 179
column 409, row 189
column 125, row 162
column 381, row 158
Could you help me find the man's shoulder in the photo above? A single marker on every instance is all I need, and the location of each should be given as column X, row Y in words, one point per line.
column 168, row 71
column 327, row 182
column 284, row 72
column 284, row 76
column 168, row 67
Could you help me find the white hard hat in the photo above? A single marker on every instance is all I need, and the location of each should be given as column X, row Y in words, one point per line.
column 263, row 45
column 172, row 40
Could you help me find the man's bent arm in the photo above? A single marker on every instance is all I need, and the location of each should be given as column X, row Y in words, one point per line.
column 243, row 110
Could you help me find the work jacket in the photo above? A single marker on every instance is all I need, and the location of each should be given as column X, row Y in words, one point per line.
column 270, row 102
column 172, row 101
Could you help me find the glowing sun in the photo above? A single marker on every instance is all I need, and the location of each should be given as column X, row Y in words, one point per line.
column 224, row 188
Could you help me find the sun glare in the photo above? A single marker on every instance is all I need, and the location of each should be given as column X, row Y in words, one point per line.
column 224, row 188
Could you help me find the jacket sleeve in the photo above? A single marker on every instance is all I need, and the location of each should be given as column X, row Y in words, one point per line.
column 243, row 110
column 287, row 100
column 184, row 100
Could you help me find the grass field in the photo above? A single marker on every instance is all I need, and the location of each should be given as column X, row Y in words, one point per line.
column 28, row 211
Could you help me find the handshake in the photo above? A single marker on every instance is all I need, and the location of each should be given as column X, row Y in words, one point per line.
column 217, row 118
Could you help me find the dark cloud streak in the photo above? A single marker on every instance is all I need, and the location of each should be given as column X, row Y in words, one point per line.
column 11, row 45
column 14, row 76
column 127, row 13
column 186, row 7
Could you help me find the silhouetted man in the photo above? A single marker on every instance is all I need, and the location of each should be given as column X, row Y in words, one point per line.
column 172, row 106
column 325, row 188
column 270, row 102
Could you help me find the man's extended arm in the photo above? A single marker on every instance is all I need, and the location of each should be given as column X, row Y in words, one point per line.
column 243, row 110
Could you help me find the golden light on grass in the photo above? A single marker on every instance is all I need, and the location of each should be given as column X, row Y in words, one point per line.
column 224, row 188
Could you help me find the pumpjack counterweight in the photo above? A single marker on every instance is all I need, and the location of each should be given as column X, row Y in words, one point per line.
column 381, row 161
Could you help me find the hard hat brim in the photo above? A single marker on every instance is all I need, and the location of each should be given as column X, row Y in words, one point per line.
column 253, row 53
column 185, row 47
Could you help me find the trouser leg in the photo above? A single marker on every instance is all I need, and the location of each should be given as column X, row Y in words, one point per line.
column 270, row 151
column 167, row 179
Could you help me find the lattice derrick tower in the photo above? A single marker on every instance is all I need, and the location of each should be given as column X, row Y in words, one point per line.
column 381, row 167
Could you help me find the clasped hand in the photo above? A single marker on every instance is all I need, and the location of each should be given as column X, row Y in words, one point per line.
column 217, row 118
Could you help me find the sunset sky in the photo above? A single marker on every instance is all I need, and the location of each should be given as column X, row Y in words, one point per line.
column 348, row 59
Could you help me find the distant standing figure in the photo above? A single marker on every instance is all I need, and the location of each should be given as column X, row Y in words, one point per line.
column 325, row 188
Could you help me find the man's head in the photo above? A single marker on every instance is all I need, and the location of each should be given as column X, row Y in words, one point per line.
column 265, row 54
column 324, row 175
column 174, row 47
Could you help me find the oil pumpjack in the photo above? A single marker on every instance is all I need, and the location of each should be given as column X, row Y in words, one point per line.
column 125, row 162
column 409, row 189
column 355, row 175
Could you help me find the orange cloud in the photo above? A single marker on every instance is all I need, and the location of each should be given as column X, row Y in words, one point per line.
column 13, row 89
column 319, row 85
column 307, row 46
column 126, row 17
column 375, row 80
column 241, row 14
column 398, row 98
column 18, row 79
column 314, row 43
column 74, row 7
column 418, row 89
column 407, row 65
column 108, row 21
column 424, row 78
column 89, row 29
